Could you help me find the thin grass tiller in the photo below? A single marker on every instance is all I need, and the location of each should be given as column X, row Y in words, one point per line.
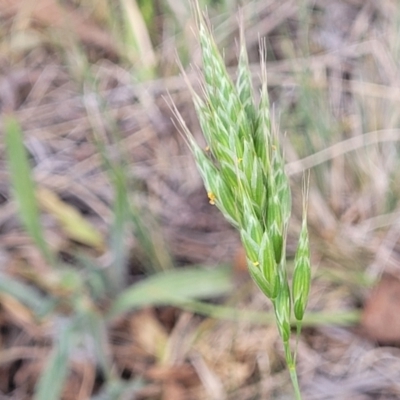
column 243, row 171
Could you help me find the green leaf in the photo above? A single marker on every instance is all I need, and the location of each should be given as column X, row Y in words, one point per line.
column 94, row 325
column 52, row 380
column 117, row 241
column 21, row 181
column 174, row 287
column 27, row 295
column 96, row 279
column 119, row 390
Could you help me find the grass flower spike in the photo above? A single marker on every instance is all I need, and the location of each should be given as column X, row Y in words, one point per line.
column 244, row 176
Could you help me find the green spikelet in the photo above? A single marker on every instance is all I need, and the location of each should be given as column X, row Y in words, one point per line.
column 302, row 268
column 282, row 307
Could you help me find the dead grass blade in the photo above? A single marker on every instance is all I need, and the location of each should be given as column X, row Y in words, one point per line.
column 138, row 36
column 343, row 147
column 72, row 222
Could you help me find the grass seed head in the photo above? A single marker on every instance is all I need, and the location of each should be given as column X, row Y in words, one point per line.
column 244, row 175
column 239, row 173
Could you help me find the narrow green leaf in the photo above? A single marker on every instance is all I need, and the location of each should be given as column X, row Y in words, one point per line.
column 94, row 325
column 53, row 378
column 149, row 234
column 119, row 390
column 118, row 246
column 174, row 287
column 27, row 295
column 22, row 184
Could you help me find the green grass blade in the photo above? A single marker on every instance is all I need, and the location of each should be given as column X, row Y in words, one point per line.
column 150, row 237
column 27, row 295
column 155, row 254
column 119, row 390
column 128, row 215
column 96, row 279
column 95, row 326
column 311, row 319
column 22, row 183
column 53, row 378
column 118, row 232
column 174, row 287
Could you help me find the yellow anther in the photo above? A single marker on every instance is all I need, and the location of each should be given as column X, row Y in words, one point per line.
column 256, row 263
column 273, row 147
column 240, row 160
column 207, row 148
column 212, row 197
